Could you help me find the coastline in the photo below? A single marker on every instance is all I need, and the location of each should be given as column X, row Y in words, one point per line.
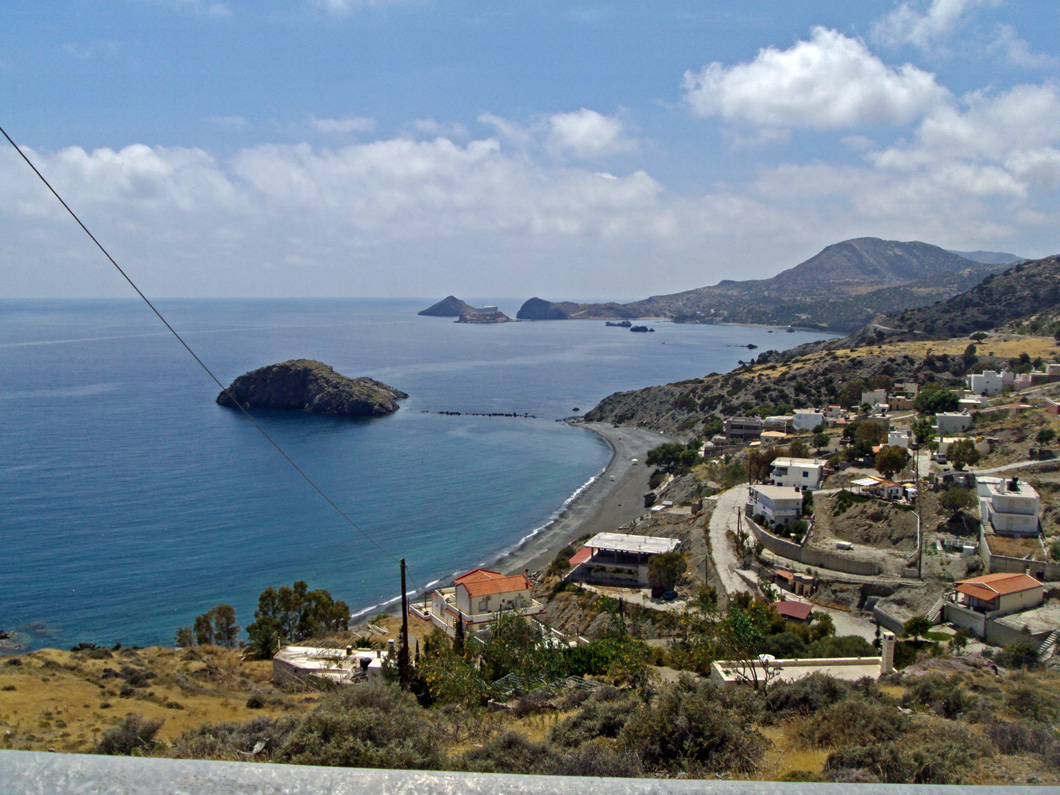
column 601, row 505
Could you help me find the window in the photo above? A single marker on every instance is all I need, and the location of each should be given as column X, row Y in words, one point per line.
column 484, row 604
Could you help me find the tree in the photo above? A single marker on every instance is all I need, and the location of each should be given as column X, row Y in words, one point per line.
column 821, row 625
column 957, row 499
column 933, row 399
column 867, row 431
column 798, row 449
column 923, row 431
column 962, row 453
column 671, row 457
column 760, row 464
column 185, row 637
column 891, row 460
column 295, row 613
column 959, row 640
column 225, row 628
column 850, row 394
column 1045, row 435
column 916, row 627
column 821, row 440
column 665, row 569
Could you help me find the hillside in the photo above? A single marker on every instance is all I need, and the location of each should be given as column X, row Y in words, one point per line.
column 695, row 408
column 839, row 289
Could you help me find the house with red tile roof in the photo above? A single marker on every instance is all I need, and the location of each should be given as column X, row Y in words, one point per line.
column 794, row 611
column 977, row 603
column 477, row 597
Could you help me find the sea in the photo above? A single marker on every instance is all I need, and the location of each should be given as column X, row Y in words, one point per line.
column 130, row 502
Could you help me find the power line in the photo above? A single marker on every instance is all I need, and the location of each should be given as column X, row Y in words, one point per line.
column 200, row 362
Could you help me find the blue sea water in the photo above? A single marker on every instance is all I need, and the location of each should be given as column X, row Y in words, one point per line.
column 130, row 502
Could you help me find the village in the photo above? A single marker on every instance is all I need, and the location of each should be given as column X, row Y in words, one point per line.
column 887, row 525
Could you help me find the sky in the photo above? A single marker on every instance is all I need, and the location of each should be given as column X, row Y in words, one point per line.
column 568, row 150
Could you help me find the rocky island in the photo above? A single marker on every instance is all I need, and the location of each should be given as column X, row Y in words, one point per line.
column 307, row 385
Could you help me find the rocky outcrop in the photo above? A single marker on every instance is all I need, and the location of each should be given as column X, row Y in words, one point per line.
column 487, row 316
column 451, row 306
column 307, row 385
column 540, row 309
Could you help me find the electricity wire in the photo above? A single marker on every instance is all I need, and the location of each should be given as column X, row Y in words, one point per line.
column 201, row 363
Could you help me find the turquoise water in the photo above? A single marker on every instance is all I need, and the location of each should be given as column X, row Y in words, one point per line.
column 130, row 502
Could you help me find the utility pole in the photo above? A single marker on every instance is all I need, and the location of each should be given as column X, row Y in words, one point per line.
column 403, row 652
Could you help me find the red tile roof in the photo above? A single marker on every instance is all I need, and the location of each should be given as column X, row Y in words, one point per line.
column 478, row 575
column 797, row 611
column 581, row 556
column 484, row 587
column 990, row 586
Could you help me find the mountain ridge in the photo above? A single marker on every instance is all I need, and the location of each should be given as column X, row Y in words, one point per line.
column 839, row 289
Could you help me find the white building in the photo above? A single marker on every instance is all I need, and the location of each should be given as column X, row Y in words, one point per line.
column 778, row 504
column 618, row 558
column 806, row 419
column 874, row 397
column 952, row 423
column 1009, row 507
column 302, row 664
column 899, row 438
column 804, row 474
column 988, row 382
column 477, row 598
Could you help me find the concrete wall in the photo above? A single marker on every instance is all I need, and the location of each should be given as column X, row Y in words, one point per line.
column 812, row 557
column 1002, row 564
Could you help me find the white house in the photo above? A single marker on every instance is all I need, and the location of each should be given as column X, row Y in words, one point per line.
column 999, row 594
column 806, row 419
column 898, row 438
column 881, row 488
column 778, row 504
column 804, row 474
column 477, row 598
column 952, row 423
column 618, row 558
column 1010, row 507
column 988, row 382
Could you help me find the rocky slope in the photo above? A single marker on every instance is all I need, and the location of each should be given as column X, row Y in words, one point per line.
column 307, row 385
column 839, row 289
column 1025, row 298
column 450, row 306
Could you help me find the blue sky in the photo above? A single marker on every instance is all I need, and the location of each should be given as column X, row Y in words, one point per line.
column 594, row 150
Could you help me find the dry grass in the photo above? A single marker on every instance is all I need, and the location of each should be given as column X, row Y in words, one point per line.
column 62, row 700
column 1016, row 547
column 786, row 755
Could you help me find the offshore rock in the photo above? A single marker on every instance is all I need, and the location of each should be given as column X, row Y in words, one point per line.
column 307, row 385
column 450, row 306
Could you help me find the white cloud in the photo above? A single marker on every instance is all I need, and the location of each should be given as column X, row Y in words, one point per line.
column 344, row 126
column 582, row 134
column 587, row 134
column 345, row 7
column 924, row 29
column 1018, row 52
column 230, row 122
column 95, row 49
column 438, row 129
column 831, row 81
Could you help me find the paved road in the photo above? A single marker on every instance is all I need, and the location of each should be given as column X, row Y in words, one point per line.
column 727, row 506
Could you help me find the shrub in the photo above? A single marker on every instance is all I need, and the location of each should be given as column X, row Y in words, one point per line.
column 850, row 721
column 134, row 735
column 234, row 740
column 805, row 696
column 596, row 719
column 373, row 725
column 941, row 695
column 1027, row 701
column 507, row 752
column 687, row 727
column 1022, row 738
column 596, row 758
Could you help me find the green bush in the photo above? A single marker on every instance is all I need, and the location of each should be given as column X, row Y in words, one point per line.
column 597, row 718
column 373, row 725
column 234, row 740
column 1032, row 703
column 135, row 735
column 596, row 758
column 941, row 695
column 804, row 696
column 850, row 721
column 688, row 728
column 507, row 752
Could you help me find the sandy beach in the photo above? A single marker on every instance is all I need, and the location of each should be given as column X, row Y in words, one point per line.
column 605, row 505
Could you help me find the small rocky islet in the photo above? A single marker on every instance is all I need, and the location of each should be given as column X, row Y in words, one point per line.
column 314, row 387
